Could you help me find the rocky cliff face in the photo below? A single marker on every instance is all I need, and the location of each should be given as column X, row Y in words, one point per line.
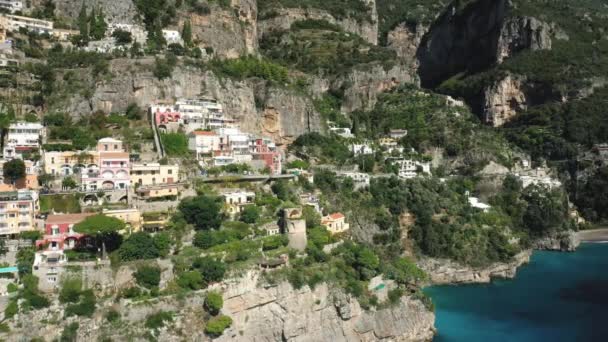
column 281, row 313
column 363, row 85
column 461, row 40
column 521, row 33
column 276, row 112
column 284, row 17
column 229, row 32
column 450, row 272
column 561, row 241
column 405, row 40
column 123, row 11
column 503, row 100
column 477, row 36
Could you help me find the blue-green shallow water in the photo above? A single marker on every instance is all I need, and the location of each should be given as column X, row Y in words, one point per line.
column 557, row 297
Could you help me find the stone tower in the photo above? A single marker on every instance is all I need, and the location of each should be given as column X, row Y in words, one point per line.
column 295, row 228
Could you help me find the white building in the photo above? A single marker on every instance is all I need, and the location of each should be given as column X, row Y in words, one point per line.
column 23, row 137
column 12, row 5
column 172, row 37
column 342, row 131
column 203, row 113
column 397, row 133
column 360, row 179
column 236, row 200
column 361, row 149
column 475, row 203
column 203, row 143
column 16, row 22
column 411, row 168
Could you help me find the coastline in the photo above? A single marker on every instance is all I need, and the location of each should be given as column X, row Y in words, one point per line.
column 594, row 235
column 447, row 272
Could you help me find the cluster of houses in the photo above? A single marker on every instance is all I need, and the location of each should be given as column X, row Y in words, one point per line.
column 215, row 139
column 107, row 167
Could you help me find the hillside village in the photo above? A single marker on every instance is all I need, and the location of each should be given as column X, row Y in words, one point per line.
column 177, row 217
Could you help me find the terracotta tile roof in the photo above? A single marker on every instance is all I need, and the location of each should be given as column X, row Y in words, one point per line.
column 67, row 218
column 336, row 216
column 208, row 133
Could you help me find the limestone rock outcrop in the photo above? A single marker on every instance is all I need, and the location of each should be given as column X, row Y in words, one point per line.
column 230, row 32
column 123, row 11
column 363, row 85
column 405, row 40
column 477, row 36
column 520, row 33
column 277, row 112
column 282, row 313
column 443, row 271
column 566, row 241
column 503, row 100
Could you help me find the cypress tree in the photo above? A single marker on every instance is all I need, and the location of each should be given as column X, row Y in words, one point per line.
column 187, row 34
column 83, row 22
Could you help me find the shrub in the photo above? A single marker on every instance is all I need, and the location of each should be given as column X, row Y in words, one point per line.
column 212, row 270
column 112, row 316
column 204, row 212
column 158, row 320
column 70, row 333
column 70, row 290
column 217, row 325
column 11, row 309
column 12, row 287
column 250, row 214
column 138, row 246
column 192, row 280
column 131, row 292
column 86, row 307
column 148, row 276
column 213, row 303
column 175, row 144
column 274, row 242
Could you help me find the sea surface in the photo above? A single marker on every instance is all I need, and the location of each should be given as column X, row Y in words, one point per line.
column 557, row 297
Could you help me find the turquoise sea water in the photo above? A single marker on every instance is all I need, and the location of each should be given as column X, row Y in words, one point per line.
column 557, row 297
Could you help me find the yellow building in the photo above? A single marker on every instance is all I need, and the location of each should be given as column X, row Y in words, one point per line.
column 154, row 174
column 132, row 217
column 18, row 211
column 67, row 163
column 335, row 223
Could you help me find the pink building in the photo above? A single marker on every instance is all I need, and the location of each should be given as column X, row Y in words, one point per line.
column 264, row 149
column 164, row 114
column 113, row 167
column 59, row 231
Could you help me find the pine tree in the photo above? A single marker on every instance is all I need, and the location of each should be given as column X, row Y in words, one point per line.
column 187, row 34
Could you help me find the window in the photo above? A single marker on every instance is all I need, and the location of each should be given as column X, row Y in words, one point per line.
column 105, row 147
column 170, row 172
column 116, row 147
column 67, row 160
column 53, row 160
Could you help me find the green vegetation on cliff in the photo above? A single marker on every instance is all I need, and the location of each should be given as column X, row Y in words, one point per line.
column 316, row 46
column 339, row 9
